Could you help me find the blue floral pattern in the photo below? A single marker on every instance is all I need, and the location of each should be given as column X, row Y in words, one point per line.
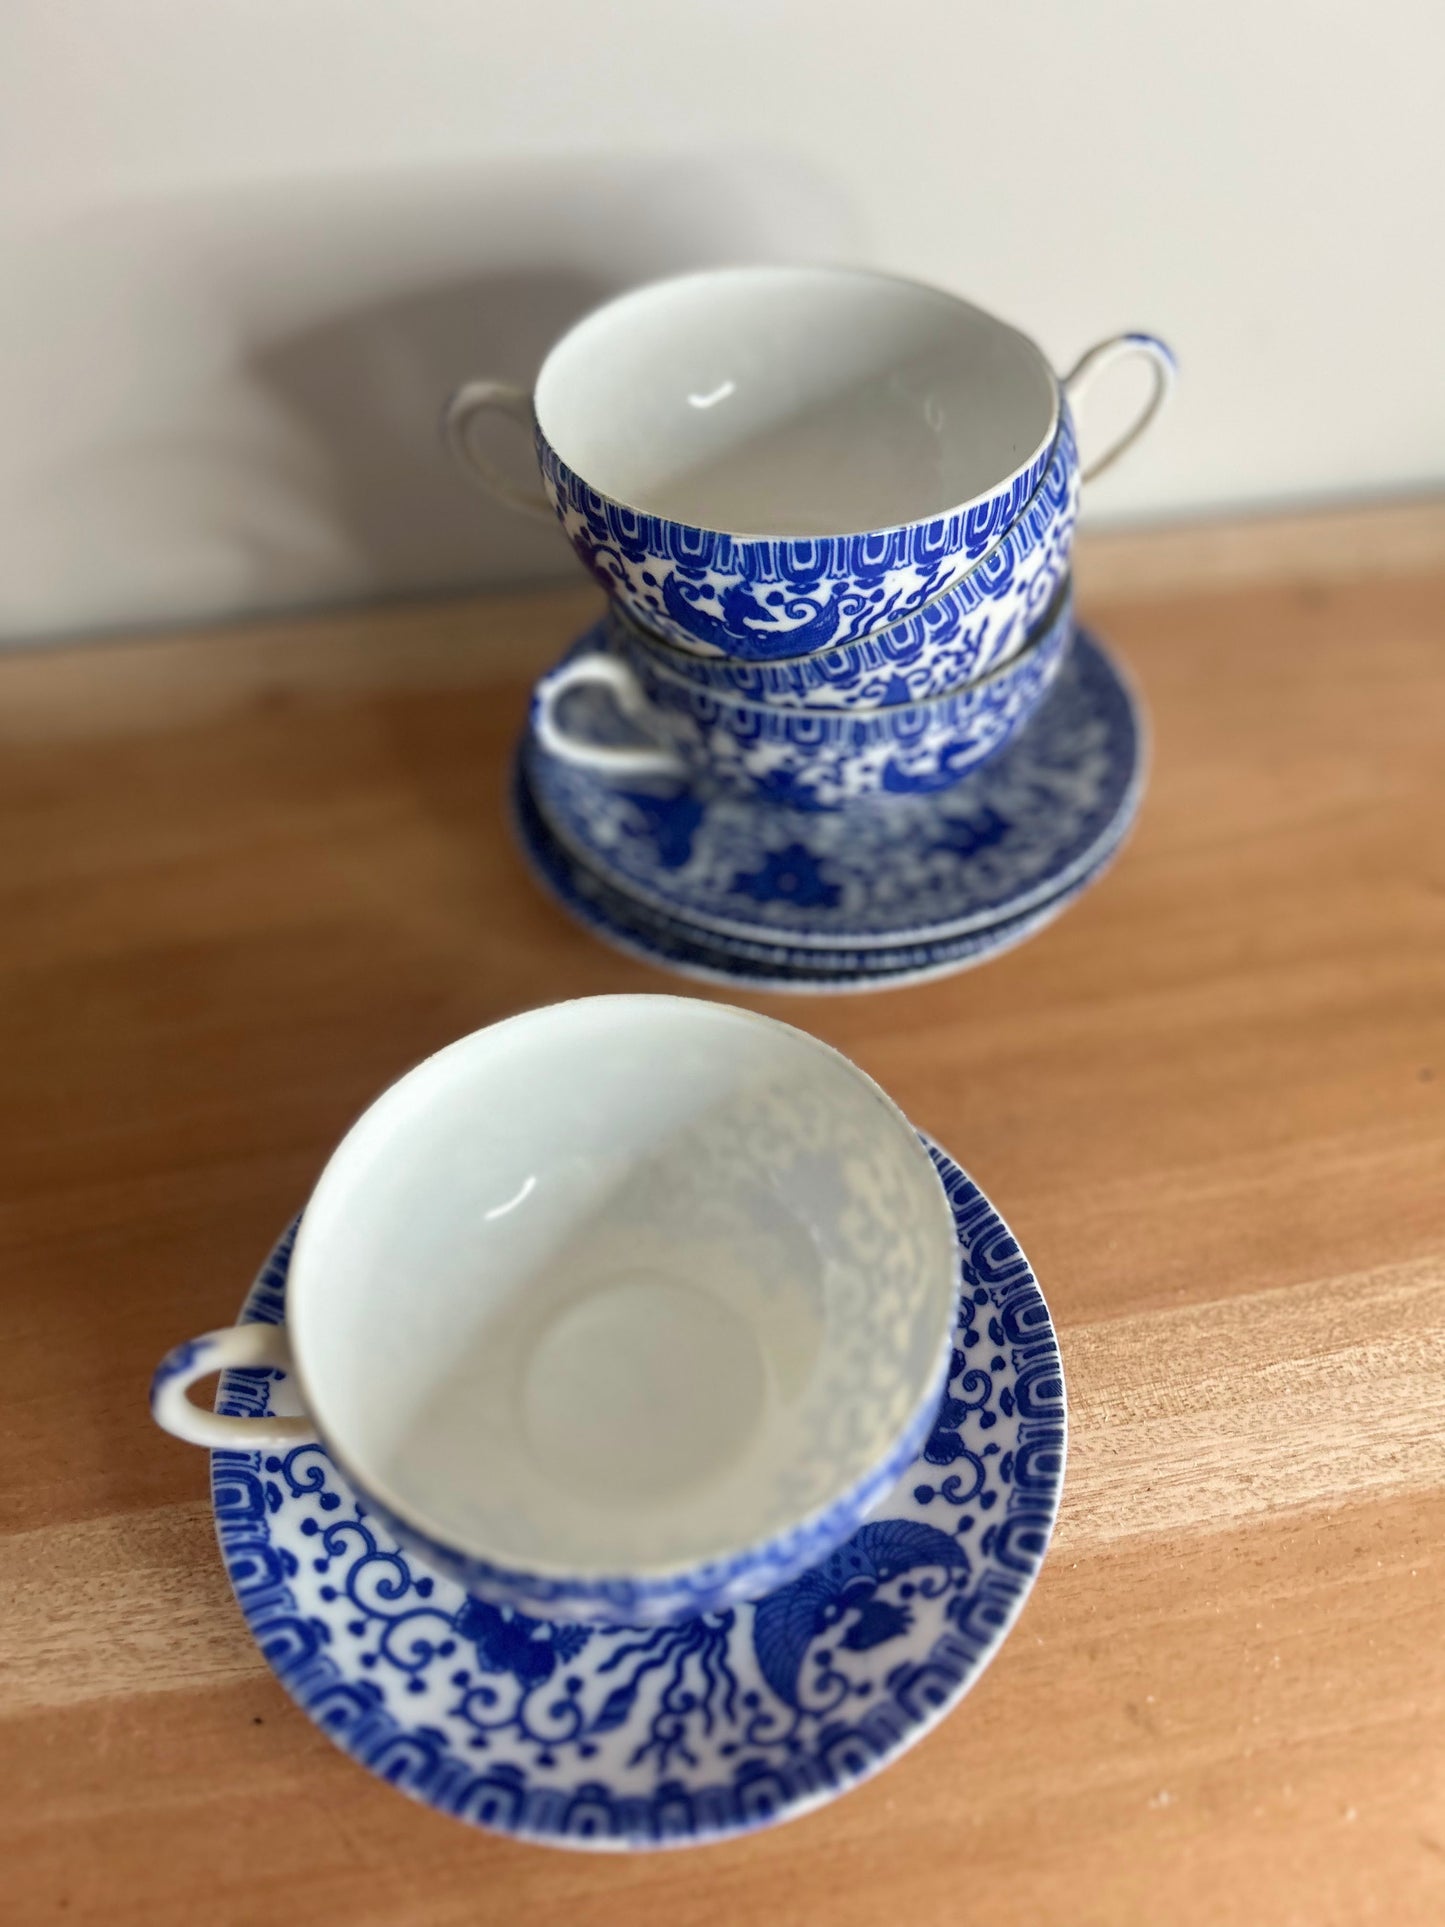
column 960, row 635
column 612, row 1737
column 827, row 758
column 749, row 964
column 896, row 870
column 756, row 597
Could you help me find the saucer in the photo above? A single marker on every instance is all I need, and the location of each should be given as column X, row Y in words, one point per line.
column 624, row 925
column 885, row 871
column 614, row 1738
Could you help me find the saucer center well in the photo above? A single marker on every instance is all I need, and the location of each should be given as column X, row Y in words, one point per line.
column 642, row 1390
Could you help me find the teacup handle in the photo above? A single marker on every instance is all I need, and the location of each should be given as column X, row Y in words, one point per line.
column 246, row 1346
column 1105, row 354
column 599, row 671
column 473, row 399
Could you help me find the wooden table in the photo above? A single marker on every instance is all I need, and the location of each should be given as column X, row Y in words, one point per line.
column 247, row 878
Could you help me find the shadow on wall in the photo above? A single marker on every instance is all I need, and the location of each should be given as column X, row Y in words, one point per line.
column 366, row 391
column 249, row 387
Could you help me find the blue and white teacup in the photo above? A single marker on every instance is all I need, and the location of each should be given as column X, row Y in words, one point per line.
column 765, row 462
column 623, row 1310
column 807, row 758
column 980, row 622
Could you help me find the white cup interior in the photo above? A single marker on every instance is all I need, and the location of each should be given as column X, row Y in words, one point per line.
column 621, row 1285
column 795, row 401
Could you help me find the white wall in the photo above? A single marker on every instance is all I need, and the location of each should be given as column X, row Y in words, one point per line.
column 250, row 244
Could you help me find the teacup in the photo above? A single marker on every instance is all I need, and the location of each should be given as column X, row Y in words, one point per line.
column 764, row 462
column 807, row 758
column 980, row 622
column 622, row 1310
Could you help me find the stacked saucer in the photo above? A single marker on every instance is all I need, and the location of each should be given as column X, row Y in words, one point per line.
column 805, row 759
column 890, row 891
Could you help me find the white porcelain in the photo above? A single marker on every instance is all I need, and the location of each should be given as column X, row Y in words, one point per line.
column 762, row 462
column 624, row 1309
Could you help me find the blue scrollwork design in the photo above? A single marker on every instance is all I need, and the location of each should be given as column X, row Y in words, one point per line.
column 759, row 598
column 1014, row 835
column 713, row 1726
column 957, row 637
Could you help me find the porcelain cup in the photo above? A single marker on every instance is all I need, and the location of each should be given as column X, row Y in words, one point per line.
column 620, row 1311
column 958, row 637
column 806, row 758
column 764, row 462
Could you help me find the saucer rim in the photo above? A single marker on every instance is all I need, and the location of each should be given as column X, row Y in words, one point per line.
column 710, row 961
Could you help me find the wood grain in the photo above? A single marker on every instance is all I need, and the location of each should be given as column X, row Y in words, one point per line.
column 1343, row 542
column 1198, row 1417
column 248, row 877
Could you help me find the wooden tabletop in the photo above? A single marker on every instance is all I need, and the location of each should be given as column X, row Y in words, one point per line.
column 247, row 878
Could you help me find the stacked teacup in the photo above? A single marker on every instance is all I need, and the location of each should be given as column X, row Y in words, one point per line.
column 833, row 512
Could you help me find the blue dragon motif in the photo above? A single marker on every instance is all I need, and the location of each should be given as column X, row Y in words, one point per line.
column 843, row 1597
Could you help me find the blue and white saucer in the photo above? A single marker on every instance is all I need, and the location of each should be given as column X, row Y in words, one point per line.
column 610, row 1738
column 891, row 871
column 744, row 964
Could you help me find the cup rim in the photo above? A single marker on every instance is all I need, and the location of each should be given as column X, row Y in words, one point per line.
column 584, row 1581
column 655, row 644
column 830, row 271
column 1056, row 611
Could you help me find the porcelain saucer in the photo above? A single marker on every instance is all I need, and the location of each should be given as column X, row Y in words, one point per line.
column 890, row 871
column 667, row 945
column 609, row 1738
